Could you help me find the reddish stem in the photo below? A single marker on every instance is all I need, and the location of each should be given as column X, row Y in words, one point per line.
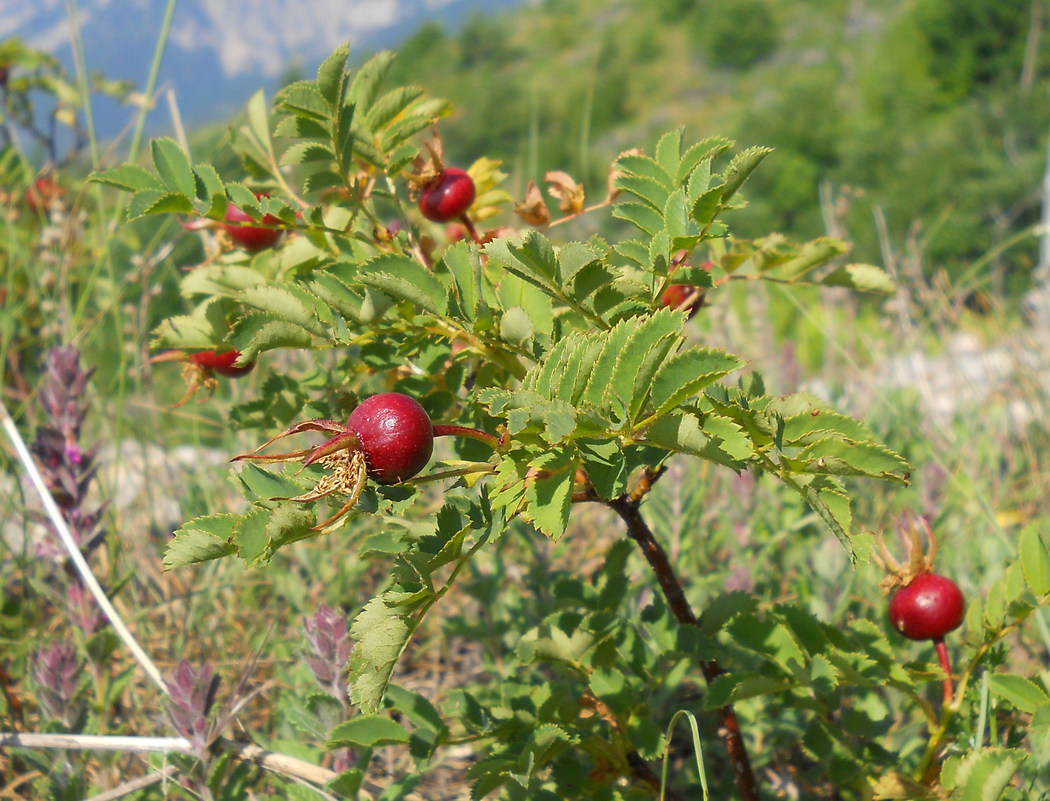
column 469, row 225
column 946, row 665
column 466, row 431
column 674, row 593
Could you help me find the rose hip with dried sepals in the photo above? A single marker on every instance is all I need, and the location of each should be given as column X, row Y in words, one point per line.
column 252, row 238
column 447, row 196
column 927, row 607
column 388, row 438
column 201, row 367
column 923, row 605
column 222, row 362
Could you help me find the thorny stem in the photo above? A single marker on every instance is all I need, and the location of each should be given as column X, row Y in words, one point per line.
column 627, row 507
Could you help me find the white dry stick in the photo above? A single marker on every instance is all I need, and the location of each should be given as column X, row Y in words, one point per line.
column 74, row 552
column 281, row 764
column 278, row 763
column 134, row 784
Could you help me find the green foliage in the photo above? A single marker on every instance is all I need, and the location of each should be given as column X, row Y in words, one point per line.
column 562, row 386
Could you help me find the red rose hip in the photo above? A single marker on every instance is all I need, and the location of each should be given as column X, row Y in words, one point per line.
column 222, row 362
column 395, row 434
column 250, row 237
column 448, row 196
column 927, row 607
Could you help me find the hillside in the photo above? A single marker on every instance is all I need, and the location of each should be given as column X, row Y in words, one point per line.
column 931, row 115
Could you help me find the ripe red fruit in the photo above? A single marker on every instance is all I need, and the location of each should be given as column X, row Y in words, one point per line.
column 222, row 362
column 251, row 237
column 395, row 434
column 448, row 196
column 687, row 298
column 927, row 607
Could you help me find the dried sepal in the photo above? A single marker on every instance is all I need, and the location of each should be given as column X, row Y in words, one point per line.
column 570, row 194
column 532, row 209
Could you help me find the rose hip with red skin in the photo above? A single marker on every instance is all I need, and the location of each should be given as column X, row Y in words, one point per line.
column 251, row 237
column 222, row 362
column 448, row 196
column 927, row 607
column 395, row 434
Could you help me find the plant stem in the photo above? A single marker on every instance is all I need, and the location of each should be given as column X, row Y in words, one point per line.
column 627, row 508
column 946, row 664
column 465, row 431
column 469, row 225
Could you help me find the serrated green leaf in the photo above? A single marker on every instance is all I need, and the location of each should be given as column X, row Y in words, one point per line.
column 148, row 201
column 391, row 105
column 306, row 152
column 862, row 278
column 331, row 74
column 641, row 215
column 984, row 775
column 462, row 262
column 532, row 259
column 286, row 303
column 1023, row 693
column 405, row 278
column 675, row 214
column 707, row 206
column 381, row 632
column 516, row 327
column 548, row 496
column 669, row 150
column 688, row 372
column 818, row 422
column 250, row 536
column 415, row 707
column 129, row 177
column 723, row 608
column 339, row 297
column 808, row 256
column 635, row 251
column 646, row 190
column 226, row 280
column 641, row 357
column 703, row 151
column 740, row 168
column 173, row 167
column 737, row 686
column 1035, row 560
column 365, row 87
column 256, row 333
column 200, row 540
column 844, row 457
column 367, row 731
column 644, row 167
column 305, row 100
column 716, row 438
column 832, row 505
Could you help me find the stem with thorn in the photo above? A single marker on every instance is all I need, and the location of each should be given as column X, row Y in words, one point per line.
column 627, row 507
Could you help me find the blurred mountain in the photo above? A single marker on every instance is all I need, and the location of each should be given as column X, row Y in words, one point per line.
column 220, row 51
